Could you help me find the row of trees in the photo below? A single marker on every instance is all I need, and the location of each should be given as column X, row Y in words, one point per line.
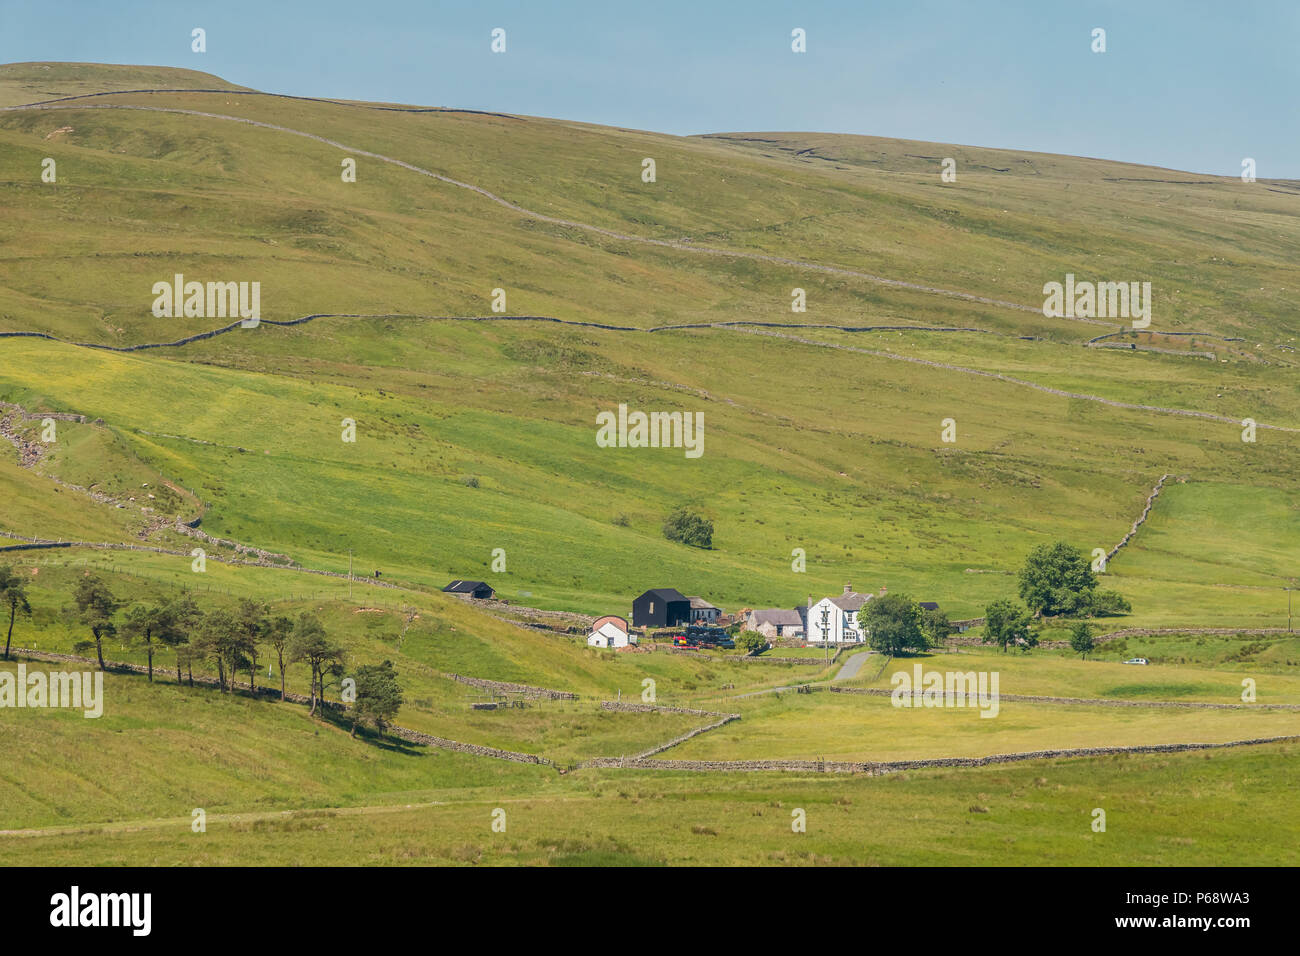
column 1056, row 581
column 230, row 640
column 896, row 624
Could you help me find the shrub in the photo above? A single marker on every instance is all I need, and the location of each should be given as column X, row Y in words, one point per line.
column 689, row 528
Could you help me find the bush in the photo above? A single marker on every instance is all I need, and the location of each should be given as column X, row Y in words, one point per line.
column 689, row 528
column 1107, row 604
column 751, row 642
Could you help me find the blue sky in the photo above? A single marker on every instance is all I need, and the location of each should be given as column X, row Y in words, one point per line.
column 1192, row 85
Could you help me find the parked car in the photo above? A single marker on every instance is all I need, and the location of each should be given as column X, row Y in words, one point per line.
column 1138, row 660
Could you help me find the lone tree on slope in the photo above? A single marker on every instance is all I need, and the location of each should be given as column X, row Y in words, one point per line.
column 1081, row 641
column 379, row 696
column 1056, row 579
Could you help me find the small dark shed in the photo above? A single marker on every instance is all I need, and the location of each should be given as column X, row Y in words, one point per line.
column 474, row 589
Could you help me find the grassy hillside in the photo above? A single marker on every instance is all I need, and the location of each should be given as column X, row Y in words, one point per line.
column 476, row 434
column 34, row 82
column 276, row 787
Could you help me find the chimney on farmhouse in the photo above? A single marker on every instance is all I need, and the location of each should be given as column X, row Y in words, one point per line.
column 848, row 589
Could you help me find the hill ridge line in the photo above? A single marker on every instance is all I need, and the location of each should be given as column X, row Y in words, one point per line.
column 282, row 96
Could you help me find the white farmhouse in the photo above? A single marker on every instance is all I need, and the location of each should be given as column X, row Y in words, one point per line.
column 836, row 619
column 610, row 631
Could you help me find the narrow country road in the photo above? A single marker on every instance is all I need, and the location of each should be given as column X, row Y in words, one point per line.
column 853, row 665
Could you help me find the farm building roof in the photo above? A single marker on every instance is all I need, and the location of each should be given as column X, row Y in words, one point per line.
column 667, row 594
column 465, row 587
column 778, row 616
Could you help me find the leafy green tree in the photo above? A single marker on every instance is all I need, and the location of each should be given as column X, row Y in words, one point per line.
column 936, row 627
column 1081, row 641
column 13, row 595
column 254, row 629
column 183, row 617
column 322, row 655
column 279, row 633
column 217, row 641
column 144, row 622
column 186, row 653
column 893, row 623
column 1056, row 579
column 751, row 642
column 1007, row 624
column 379, row 696
column 96, row 606
column 689, row 528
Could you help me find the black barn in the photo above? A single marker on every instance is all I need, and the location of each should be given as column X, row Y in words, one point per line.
column 661, row 607
column 474, row 589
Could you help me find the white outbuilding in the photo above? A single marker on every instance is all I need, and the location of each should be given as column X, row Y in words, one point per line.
column 610, row 631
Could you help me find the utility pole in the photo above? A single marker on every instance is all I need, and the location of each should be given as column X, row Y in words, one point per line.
column 349, row 574
column 1288, row 605
column 826, row 640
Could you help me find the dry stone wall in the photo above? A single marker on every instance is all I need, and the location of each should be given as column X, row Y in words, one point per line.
column 1092, row 701
column 505, row 687
column 875, row 769
column 1151, row 500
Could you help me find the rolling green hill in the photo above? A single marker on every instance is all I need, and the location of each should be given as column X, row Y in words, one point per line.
column 476, row 429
